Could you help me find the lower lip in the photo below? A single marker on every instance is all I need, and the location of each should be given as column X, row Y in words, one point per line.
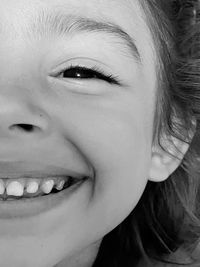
column 29, row 207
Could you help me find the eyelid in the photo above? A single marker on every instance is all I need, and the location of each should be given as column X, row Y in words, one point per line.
column 108, row 77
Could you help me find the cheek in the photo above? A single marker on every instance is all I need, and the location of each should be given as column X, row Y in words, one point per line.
column 117, row 143
column 122, row 165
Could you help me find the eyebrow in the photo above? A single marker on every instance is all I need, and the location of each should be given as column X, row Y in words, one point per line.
column 47, row 23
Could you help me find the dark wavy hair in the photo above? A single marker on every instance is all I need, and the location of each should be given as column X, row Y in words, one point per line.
column 166, row 219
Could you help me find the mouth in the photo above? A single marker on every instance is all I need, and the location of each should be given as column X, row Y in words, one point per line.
column 27, row 190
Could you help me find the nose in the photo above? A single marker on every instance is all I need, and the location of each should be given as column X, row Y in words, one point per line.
column 22, row 118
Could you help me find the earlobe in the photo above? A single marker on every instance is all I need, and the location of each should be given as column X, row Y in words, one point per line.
column 164, row 163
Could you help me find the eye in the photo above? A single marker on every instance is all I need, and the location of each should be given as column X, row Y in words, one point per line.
column 79, row 72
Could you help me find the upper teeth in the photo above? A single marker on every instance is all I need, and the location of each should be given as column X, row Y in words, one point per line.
column 47, row 186
column 32, row 187
column 17, row 187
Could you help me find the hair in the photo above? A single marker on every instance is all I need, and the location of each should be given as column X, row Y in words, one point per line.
column 166, row 219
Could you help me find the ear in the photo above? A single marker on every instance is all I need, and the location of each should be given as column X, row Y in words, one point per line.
column 165, row 162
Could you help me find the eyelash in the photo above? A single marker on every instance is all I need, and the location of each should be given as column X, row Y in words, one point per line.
column 95, row 73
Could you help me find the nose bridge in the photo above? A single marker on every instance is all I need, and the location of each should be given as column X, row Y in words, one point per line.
column 21, row 114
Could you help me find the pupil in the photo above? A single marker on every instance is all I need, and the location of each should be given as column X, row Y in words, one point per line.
column 79, row 73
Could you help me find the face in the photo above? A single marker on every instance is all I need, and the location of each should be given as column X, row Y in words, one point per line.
column 84, row 80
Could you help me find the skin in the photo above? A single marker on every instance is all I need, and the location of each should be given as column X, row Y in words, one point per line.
column 83, row 124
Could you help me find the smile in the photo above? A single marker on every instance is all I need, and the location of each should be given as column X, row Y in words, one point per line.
column 22, row 188
column 28, row 189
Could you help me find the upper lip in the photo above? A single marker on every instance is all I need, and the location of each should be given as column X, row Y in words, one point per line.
column 18, row 169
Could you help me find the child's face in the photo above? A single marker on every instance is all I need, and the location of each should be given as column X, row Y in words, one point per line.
column 81, row 124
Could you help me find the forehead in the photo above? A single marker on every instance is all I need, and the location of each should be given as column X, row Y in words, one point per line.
column 87, row 7
column 18, row 17
column 21, row 14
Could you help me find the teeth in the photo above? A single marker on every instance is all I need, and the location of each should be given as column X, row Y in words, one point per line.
column 47, row 186
column 32, row 187
column 22, row 187
column 15, row 189
column 60, row 185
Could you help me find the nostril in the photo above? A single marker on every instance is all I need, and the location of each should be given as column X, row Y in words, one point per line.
column 24, row 127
